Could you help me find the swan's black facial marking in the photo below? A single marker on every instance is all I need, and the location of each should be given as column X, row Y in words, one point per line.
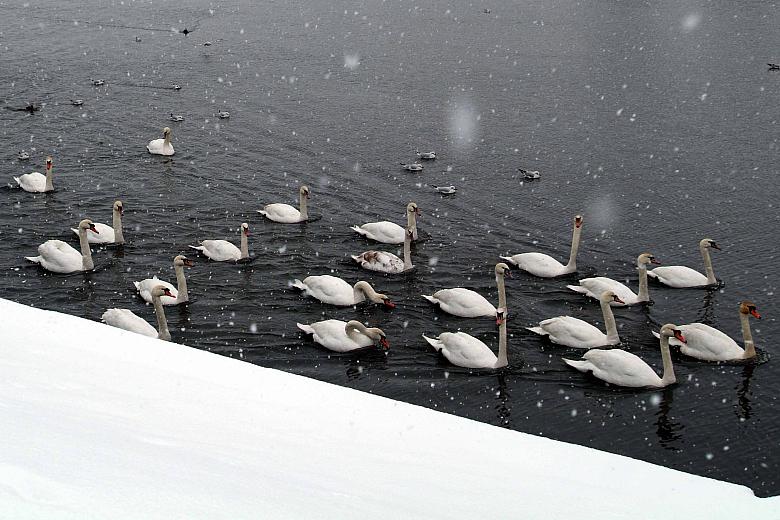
column 616, row 298
column 713, row 245
column 578, row 221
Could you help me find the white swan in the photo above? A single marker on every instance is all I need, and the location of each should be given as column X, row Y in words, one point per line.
column 177, row 296
column 622, row 368
column 387, row 262
column 464, row 350
column 335, row 291
column 287, row 214
column 36, row 182
column 224, row 251
column 223, row 115
column 128, row 320
column 594, row 287
column 341, row 336
column 709, row 344
column 545, row 266
column 162, row 146
column 576, row 333
column 390, row 232
column 679, row 276
column 58, row 257
column 108, row 234
column 470, row 304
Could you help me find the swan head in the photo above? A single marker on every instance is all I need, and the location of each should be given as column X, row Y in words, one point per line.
column 503, row 270
column 161, row 290
column 412, row 208
column 119, row 207
column 304, row 191
column 748, row 307
column 671, row 331
column 48, row 163
column 609, row 297
column 245, row 228
column 87, row 224
column 708, row 242
column 379, row 335
column 500, row 315
column 578, row 221
column 166, row 132
column 646, row 258
column 182, row 260
column 386, row 301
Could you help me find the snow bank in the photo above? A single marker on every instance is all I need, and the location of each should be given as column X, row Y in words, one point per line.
column 99, row 423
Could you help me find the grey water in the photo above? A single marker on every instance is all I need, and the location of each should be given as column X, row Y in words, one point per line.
column 657, row 121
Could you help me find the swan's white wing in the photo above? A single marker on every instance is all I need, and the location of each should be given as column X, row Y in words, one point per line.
column 329, row 289
column 283, row 213
column 539, row 264
column 158, row 147
column 331, row 335
column 707, row 343
column 220, row 250
column 464, row 303
column 59, row 257
column 573, row 332
column 145, row 290
column 466, row 351
column 595, row 287
column 127, row 320
column 621, row 368
column 105, row 234
column 34, row 182
column 678, row 276
column 380, row 261
column 385, row 232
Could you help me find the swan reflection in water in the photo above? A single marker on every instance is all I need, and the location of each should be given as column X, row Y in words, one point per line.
column 668, row 430
column 742, row 406
column 503, row 407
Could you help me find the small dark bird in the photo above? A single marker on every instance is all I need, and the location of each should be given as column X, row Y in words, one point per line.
column 185, row 31
column 773, row 66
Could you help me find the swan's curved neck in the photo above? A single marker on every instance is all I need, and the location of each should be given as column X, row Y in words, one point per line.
column 358, row 328
column 49, row 175
column 167, row 141
column 501, row 290
column 411, row 222
column 244, row 245
column 503, row 359
column 303, row 209
column 407, row 252
column 162, row 323
column 668, row 376
column 86, row 254
column 609, row 322
column 575, row 246
column 747, row 336
column 363, row 290
column 705, row 254
column 119, row 238
column 181, row 284
column 644, row 293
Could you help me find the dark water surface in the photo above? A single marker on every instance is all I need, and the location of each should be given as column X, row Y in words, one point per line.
column 657, row 122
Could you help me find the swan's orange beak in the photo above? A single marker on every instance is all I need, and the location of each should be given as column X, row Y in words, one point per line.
column 388, row 304
column 188, row 262
column 384, row 343
column 246, row 231
column 93, row 229
column 48, row 165
column 755, row 314
column 167, row 292
column 578, row 221
column 679, row 336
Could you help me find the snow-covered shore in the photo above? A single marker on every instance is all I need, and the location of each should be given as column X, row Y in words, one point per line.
column 100, row 423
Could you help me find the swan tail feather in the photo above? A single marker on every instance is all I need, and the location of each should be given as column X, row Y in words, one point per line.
column 435, row 343
column 651, row 274
column 305, row 328
column 430, row 299
column 357, row 258
column 18, row 181
column 656, row 334
column 578, row 288
column 36, row 259
column 508, row 259
column 137, row 286
column 197, row 248
column 263, row 212
column 298, row 285
column 357, row 229
column 537, row 330
column 581, row 365
column 76, row 231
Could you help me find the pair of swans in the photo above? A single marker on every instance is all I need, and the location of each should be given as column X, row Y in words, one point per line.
column 470, row 304
column 128, row 320
column 622, row 368
column 595, row 287
column 390, row 232
column 385, row 262
column 224, row 251
column 59, row 257
column 178, row 295
column 161, row 146
column 710, row 344
column 286, row 214
column 576, row 333
column 37, row 182
column 464, row 350
column 545, row 266
column 340, row 336
column 680, row 276
column 335, row 291
column 105, row 234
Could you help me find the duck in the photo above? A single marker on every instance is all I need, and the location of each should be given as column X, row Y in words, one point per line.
column 709, row 344
column 412, row 167
column 176, row 117
column 390, row 232
column 773, row 66
column 108, row 234
column 286, row 214
column 622, row 368
column 223, row 114
column 180, row 295
column 428, row 156
column 138, row 39
column 445, row 190
column 76, row 102
column 470, row 304
column 530, row 174
column 335, row 291
column 545, row 266
column 680, row 276
column 161, row 146
column 387, row 262
column 128, row 320
column 224, row 251
column 464, row 350
column 577, row 333
column 594, row 287
column 23, row 156
column 345, row 336
column 98, row 82
column 58, row 257
column 176, row 86
column 37, row 182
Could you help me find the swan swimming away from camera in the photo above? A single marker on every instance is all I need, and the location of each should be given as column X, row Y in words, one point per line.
column 161, row 146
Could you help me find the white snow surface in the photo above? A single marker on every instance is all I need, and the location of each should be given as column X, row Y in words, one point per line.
column 99, row 423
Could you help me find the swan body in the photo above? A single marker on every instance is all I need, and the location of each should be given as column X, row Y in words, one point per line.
column 341, row 336
column 576, row 333
column 594, row 287
column 709, row 344
column 680, row 276
column 287, row 214
column 108, row 234
column 128, row 320
column 335, row 291
column 177, row 295
column 390, row 232
column 224, row 251
column 36, row 182
column 545, row 266
column 470, row 304
column 58, row 257
column 464, row 350
column 622, row 368
column 161, row 146
column 387, row 262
